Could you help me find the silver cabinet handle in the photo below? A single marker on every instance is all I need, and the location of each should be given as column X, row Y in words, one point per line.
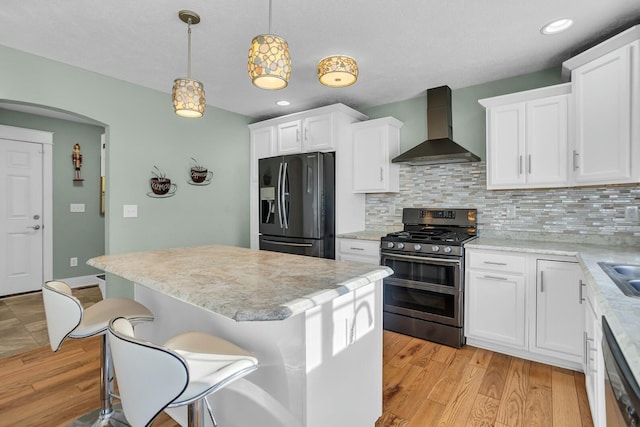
column 575, row 161
column 495, row 263
column 520, row 165
column 306, row 134
column 356, row 249
column 541, row 282
column 297, row 135
column 582, row 285
column 495, row 277
column 35, row 227
column 529, row 161
column 381, row 174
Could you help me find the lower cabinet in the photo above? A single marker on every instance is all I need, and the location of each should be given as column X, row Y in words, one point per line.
column 593, row 360
column 358, row 250
column 524, row 305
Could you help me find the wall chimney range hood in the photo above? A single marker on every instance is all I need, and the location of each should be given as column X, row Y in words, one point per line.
column 439, row 148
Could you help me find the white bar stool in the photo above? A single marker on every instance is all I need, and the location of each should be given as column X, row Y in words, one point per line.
column 67, row 318
column 184, row 371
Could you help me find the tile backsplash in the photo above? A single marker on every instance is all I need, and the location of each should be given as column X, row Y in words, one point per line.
column 594, row 215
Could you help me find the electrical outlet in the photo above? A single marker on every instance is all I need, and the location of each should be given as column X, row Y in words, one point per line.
column 130, row 211
column 511, row 211
column 73, row 262
column 631, row 213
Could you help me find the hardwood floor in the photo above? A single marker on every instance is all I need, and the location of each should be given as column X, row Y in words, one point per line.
column 425, row 385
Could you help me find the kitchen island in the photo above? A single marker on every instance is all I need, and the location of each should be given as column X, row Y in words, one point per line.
column 314, row 324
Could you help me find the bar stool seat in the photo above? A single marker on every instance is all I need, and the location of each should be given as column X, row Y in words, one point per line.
column 67, row 318
column 183, row 371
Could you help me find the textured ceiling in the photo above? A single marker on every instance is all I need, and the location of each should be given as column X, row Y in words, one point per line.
column 402, row 47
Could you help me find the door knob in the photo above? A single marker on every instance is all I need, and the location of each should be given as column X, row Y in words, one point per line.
column 35, row 227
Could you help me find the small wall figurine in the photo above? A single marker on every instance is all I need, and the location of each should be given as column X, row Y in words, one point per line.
column 76, row 157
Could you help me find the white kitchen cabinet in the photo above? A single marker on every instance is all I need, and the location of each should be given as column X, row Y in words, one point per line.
column 375, row 143
column 313, row 133
column 494, row 300
column 366, row 251
column 527, row 138
column 606, row 100
column 495, row 304
column 525, row 305
column 289, row 139
column 594, row 370
column 321, row 129
column 559, row 322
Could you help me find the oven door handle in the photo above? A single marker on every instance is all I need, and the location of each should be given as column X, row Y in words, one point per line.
column 423, row 259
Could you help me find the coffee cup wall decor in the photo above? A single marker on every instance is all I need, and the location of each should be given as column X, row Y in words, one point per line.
column 161, row 186
column 199, row 174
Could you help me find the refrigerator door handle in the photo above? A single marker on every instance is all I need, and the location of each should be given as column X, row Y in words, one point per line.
column 279, row 195
column 285, row 213
column 274, row 242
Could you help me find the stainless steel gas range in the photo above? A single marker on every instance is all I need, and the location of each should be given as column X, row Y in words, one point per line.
column 424, row 297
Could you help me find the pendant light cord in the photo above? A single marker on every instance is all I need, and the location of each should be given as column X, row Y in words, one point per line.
column 269, row 17
column 189, row 51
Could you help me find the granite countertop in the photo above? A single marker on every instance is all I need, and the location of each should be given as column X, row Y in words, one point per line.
column 622, row 312
column 367, row 234
column 242, row 284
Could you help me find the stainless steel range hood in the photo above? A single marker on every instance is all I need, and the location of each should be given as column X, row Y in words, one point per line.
column 439, row 148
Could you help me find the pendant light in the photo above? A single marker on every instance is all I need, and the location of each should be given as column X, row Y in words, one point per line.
column 188, row 94
column 269, row 62
column 337, row 71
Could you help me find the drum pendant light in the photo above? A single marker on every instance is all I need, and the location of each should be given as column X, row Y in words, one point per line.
column 269, row 64
column 188, row 94
column 338, row 71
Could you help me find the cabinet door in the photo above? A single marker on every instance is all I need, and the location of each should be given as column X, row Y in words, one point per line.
column 495, row 308
column 603, row 99
column 505, row 146
column 559, row 309
column 546, row 142
column 290, row 138
column 364, row 251
column 318, row 133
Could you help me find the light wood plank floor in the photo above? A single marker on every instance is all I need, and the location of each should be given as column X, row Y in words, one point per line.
column 425, row 385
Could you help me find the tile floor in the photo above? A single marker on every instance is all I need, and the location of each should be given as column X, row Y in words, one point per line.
column 23, row 325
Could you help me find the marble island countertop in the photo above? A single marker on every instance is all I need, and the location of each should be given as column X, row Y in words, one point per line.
column 239, row 283
column 622, row 312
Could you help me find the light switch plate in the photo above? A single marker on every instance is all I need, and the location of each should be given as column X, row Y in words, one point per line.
column 76, row 207
column 130, row 211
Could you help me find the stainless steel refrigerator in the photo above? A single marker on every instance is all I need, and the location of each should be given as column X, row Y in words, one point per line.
column 297, row 200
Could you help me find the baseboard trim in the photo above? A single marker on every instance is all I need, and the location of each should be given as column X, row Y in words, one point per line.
column 81, row 281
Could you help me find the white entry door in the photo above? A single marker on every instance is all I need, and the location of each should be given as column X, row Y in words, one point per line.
column 21, row 216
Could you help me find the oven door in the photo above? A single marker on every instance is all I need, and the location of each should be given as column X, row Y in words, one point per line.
column 424, row 288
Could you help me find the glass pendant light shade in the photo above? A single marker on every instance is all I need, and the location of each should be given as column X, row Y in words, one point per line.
column 337, row 71
column 188, row 98
column 269, row 62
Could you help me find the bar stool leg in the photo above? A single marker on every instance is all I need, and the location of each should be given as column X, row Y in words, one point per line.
column 195, row 413
column 108, row 415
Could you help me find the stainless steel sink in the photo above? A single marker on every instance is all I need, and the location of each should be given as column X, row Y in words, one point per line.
column 626, row 276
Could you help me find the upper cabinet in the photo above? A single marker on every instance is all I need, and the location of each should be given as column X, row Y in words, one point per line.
column 586, row 132
column 313, row 133
column 606, row 100
column 375, row 143
column 527, row 138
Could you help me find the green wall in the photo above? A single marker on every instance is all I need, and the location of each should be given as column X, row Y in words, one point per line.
column 143, row 131
column 468, row 115
column 78, row 235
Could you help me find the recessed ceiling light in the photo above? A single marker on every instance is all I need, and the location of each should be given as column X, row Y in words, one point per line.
column 557, row 26
column 283, row 103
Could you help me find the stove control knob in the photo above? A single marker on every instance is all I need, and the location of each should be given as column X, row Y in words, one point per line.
column 390, row 244
column 435, row 248
column 447, row 250
column 400, row 245
column 417, row 248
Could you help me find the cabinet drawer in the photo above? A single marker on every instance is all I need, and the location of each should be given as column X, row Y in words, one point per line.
column 367, row 248
column 496, row 261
